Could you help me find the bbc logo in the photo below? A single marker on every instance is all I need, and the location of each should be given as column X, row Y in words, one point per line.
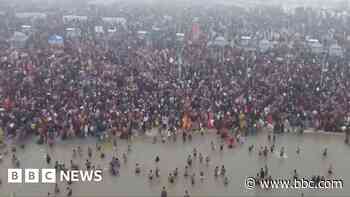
column 31, row 175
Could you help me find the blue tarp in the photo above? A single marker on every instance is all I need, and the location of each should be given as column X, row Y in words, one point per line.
column 55, row 39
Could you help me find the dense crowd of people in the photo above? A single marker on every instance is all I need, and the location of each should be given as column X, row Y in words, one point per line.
column 90, row 86
column 124, row 83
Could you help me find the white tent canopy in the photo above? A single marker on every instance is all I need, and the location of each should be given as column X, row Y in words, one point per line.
column 265, row 45
column 315, row 45
column 19, row 36
column 99, row 29
column 35, row 15
column 73, row 32
column 335, row 50
column 114, row 20
column 220, row 41
column 245, row 40
column 19, row 39
column 69, row 18
column 180, row 36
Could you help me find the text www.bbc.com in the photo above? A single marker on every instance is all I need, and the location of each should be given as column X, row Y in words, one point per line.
column 251, row 184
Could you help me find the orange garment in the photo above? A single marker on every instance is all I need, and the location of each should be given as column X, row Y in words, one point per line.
column 186, row 122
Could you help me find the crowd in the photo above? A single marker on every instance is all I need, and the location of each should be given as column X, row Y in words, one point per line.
column 92, row 87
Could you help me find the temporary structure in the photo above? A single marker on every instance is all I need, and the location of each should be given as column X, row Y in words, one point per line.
column 265, row 45
column 56, row 40
column 18, row 40
column 335, row 50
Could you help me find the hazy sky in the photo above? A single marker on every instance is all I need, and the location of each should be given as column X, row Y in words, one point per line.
column 289, row 3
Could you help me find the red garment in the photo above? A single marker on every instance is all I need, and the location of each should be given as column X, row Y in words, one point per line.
column 8, row 104
column 210, row 120
column 232, row 141
column 269, row 119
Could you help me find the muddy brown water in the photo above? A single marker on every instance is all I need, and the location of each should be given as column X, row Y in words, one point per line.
column 239, row 164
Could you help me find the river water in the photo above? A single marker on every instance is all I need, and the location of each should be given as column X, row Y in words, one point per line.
column 239, row 163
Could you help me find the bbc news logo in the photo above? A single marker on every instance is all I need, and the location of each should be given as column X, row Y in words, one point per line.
column 49, row 175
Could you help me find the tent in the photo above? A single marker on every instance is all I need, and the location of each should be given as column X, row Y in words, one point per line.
column 265, row 45
column 245, row 40
column 73, row 32
column 69, row 18
column 335, row 50
column 142, row 34
column 114, row 20
column 18, row 40
column 220, row 41
column 315, row 45
column 99, row 29
column 55, row 40
column 180, row 36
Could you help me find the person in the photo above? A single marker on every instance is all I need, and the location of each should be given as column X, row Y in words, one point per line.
column 282, row 152
column 157, row 159
column 80, row 151
column 88, row 164
column 193, row 179
column 216, row 171
column 295, row 174
column 186, row 172
column 184, row 136
column 265, row 151
column 70, row 192
column 176, row 172
column 48, row 158
column 207, row 160
column 163, row 137
column 125, row 158
column 57, row 165
column 114, row 143
column 74, row 154
column 164, row 193
column 129, row 148
column 272, row 148
column 154, row 140
column 57, row 189
column 201, row 176
column 157, row 172
column 150, row 175
column 189, row 160
column 190, row 137
column 200, row 158
column 298, row 150
column 212, row 145
column 171, row 178
column 226, row 181
column 99, row 147
column 194, row 152
column 250, row 148
column 186, row 194
column 137, row 169
column 221, row 147
column 325, row 152
column 262, row 173
column 330, row 169
column 89, row 152
column 266, row 170
column 223, row 170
